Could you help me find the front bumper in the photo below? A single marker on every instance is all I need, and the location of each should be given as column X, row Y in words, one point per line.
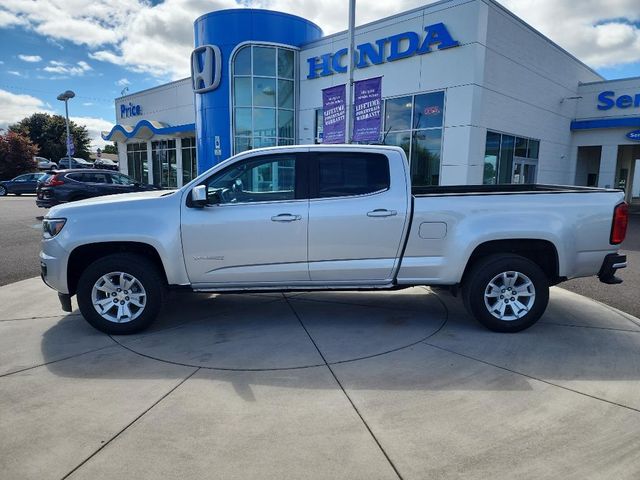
column 612, row 263
column 53, row 265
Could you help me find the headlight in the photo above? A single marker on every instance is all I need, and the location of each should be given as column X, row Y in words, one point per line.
column 52, row 226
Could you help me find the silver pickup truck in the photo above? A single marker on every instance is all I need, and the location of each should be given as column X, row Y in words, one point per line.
column 329, row 217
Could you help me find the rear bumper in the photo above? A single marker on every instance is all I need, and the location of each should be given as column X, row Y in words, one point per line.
column 610, row 264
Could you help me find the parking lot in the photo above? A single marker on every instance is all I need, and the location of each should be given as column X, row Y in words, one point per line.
column 312, row 385
column 323, row 385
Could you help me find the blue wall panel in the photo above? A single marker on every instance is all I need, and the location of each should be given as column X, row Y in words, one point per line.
column 227, row 29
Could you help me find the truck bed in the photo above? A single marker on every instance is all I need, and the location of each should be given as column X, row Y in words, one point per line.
column 502, row 189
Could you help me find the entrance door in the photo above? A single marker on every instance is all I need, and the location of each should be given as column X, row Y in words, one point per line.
column 524, row 170
column 254, row 231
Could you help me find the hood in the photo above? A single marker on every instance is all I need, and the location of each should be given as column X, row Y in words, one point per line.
column 123, row 201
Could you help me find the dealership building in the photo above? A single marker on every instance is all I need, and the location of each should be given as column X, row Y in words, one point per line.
column 470, row 91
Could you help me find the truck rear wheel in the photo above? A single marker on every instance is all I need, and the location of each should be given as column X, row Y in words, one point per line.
column 120, row 294
column 506, row 293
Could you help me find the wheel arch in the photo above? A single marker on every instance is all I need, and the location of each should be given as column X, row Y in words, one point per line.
column 83, row 255
column 542, row 252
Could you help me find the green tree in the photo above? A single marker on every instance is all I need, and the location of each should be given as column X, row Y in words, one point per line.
column 111, row 148
column 16, row 155
column 49, row 133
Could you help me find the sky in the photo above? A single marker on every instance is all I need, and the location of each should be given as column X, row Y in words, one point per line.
column 99, row 48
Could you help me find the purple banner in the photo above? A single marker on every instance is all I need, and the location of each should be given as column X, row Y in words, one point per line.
column 333, row 114
column 367, row 106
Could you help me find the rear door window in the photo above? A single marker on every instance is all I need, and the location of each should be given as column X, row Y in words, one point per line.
column 348, row 174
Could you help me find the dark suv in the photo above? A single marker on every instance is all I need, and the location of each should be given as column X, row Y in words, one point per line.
column 61, row 186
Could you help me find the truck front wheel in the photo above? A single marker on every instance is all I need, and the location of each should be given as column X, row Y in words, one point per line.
column 120, row 294
column 506, row 293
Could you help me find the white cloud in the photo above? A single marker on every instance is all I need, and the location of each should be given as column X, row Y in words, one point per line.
column 15, row 107
column 14, row 72
column 158, row 38
column 63, row 68
column 123, row 82
column 601, row 34
column 8, row 19
column 87, row 104
column 30, row 58
column 95, row 126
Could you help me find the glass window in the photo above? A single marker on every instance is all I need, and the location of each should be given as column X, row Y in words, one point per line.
column 492, row 150
column 264, row 61
column 428, row 110
column 319, row 126
column 189, row 160
column 165, row 170
column 242, row 144
column 521, row 147
column 120, row 179
column 242, row 121
column 285, row 63
column 401, row 139
column 510, row 159
column 398, row 114
column 264, row 98
column 242, row 61
column 285, row 94
column 264, row 92
column 343, row 174
column 285, row 124
column 264, row 122
column 137, row 161
column 256, row 180
column 422, row 143
column 505, row 164
column 425, row 157
column 242, row 91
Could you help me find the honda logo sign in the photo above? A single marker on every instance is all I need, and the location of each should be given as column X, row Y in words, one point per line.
column 206, row 68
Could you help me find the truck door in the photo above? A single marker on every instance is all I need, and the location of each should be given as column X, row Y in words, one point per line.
column 253, row 232
column 357, row 214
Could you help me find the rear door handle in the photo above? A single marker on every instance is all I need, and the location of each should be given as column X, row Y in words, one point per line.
column 286, row 217
column 381, row 212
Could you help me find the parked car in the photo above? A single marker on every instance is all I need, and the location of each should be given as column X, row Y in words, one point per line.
column 45, row 163
column 63, row 163
column 26, row 183
column 106, row 164
column 330, row 217
column 61, row 186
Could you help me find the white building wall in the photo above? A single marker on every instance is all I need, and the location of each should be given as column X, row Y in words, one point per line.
column 456, row 70
column 171, row 103
column 527, row 91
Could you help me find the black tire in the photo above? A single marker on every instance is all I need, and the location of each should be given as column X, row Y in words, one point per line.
column 3, row 190
column 144, row 271
column 17, row 194
column 477, row 283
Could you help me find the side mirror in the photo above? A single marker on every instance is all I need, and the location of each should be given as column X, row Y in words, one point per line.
column 199, row 196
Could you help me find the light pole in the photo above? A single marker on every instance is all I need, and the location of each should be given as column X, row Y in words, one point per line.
column 65, row 97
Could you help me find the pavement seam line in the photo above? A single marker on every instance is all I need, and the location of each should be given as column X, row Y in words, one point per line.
column 56, row 361
column 64, row 315
column 593, row 397
column 130, row 424
column 335, row 377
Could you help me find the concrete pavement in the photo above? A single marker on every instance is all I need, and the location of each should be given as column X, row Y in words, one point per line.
column 318, row 385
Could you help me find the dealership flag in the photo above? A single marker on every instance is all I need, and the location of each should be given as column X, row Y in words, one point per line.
column 71, row 149
column 333, row 114
column 367, row 107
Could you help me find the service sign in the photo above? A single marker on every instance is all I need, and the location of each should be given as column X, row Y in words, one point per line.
column 635, row 135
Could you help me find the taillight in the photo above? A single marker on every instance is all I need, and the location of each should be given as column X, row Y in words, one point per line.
column 620, row 222
column 54, row 181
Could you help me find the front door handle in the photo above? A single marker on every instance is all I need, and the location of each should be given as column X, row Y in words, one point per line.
column 381, row 212
column 286, row 217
